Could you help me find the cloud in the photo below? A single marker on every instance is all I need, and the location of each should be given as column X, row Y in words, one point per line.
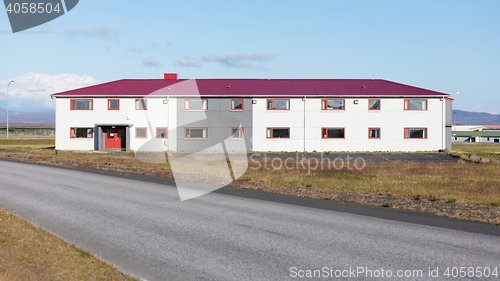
column 169, row 43
column 240, row 60
column 151, row 62
column 102, row 32
column 188, row 62
column 32, row 90
column 135, row 50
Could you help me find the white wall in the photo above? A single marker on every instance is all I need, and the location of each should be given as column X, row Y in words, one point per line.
column 156, row 114
column 356, row 119
column 263, row 119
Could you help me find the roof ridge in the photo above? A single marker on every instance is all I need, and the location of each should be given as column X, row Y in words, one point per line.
column 256, row 87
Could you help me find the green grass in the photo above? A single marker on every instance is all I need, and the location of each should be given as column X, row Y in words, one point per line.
column 26, row 143
column 481, row 150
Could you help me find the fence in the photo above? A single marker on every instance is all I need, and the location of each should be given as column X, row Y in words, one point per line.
column 28, row 132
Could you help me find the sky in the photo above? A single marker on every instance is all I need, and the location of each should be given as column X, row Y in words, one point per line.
column 446, row 46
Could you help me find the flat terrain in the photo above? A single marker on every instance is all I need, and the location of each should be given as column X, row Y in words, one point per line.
column 482, row 150
column 367, row 157
column 427, row 182
column 28, row 253
column 143, row 228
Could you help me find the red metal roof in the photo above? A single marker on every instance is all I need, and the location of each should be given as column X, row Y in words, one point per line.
column 251, row 87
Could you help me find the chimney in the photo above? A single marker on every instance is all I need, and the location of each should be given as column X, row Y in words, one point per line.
column 170, row 76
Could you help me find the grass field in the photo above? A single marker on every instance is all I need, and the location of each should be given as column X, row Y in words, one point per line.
column 33, row 142
column 482, row 150
column 463, row 190
column 449, row 182
column 27, row 137
column 30, row 253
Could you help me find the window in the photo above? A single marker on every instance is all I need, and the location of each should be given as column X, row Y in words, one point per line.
column 82, row 132
column 278, row 133
column 141, row 104
column 196, row 104
column 332, row 104
column 81, row 104
column 195, row 133
column 374, row 133
column 161, row 133
column 373, row 104
column 237, row 104
column 415, row 133
column 332, row 133
column 236, row 133
column 415, row 104
column 277, row 104
column 141, row 133
column 113, row 104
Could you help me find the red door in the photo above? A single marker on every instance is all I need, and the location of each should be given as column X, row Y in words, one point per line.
column 115, row 138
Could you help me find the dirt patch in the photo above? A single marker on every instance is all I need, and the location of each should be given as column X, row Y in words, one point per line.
column 461, row 211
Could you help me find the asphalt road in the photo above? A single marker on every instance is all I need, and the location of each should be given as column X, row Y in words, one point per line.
column 144, row 229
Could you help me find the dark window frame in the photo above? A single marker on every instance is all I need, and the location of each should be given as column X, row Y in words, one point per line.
column 415, row 128
column 145, row 104
column 272, row 133
column 76, row 133
column 72, row 104
column 332, row 128
column 324, row 106
column 278, row 109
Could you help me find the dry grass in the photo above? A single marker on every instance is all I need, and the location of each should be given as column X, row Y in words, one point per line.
column 26, row 142
column 482, row 150
column 30, row 253
column 464, row 184
column 14, row 137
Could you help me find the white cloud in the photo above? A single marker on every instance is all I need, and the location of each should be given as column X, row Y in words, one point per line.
column 103, row 32
column 32, row 90
column 240, row 60
column 151, row 62
column 188, row 62
column 135, row 50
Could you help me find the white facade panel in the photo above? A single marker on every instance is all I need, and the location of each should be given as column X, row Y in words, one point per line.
column 355, row 119
column 302, row 116
column 292, row 119
column 155, row 116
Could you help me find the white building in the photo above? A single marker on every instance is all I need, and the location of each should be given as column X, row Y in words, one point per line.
column 260, row 114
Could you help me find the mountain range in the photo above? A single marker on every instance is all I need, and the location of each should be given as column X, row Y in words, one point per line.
column 49, row 117
column 475, row 118
column 46, row 117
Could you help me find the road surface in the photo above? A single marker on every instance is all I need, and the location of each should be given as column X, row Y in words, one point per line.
column 144, row 229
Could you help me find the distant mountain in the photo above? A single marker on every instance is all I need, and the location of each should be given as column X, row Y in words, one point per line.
column 475, row 118
column 47, row 117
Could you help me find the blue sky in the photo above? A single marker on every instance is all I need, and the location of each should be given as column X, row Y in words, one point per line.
column 447, row 46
